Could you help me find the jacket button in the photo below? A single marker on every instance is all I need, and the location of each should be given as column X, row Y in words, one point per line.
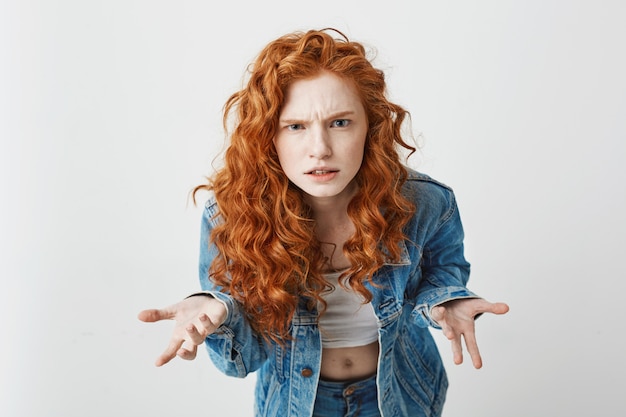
column 306, row 372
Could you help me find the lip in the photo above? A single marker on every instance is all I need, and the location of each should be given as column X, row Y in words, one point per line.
column 320, row 170
column 322, row 174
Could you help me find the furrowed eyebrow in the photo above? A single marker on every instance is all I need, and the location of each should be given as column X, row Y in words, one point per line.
column 291, row 121
column 341, row 115
column 333, row 116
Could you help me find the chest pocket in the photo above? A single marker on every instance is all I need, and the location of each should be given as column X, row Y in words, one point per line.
column 305, row 343
column 388, row 311
column 390, row 287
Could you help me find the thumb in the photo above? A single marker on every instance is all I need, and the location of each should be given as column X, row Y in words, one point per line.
column 500, row 308
column 152, row 315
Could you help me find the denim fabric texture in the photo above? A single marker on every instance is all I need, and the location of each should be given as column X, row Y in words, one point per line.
column 411, row 379
column 347, row 399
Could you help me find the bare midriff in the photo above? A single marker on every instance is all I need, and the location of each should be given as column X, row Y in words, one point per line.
column 350, row 363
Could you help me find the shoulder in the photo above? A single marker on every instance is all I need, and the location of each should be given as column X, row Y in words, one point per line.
column 210, row 205
column 419, row 187
column 434, row 201
column 210, row 214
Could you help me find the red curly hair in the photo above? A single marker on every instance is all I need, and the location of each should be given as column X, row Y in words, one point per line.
column 269, row 258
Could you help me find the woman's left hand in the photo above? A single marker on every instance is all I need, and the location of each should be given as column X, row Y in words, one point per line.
column 456, row 319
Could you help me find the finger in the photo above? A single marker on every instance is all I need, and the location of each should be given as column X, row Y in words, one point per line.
column 152, row 315
column 187, row 352
column 500, row 308
column 207, row 324
column 457, row 350
column 472, row 349
column 170, row 352
column 494, row 308
column 195, row 335
column 448, row 332
column 437, row 313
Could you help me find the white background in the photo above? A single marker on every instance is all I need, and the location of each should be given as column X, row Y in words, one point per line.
column 110, row 114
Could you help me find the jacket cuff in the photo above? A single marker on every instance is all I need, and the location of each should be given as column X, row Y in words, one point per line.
column 435, row 297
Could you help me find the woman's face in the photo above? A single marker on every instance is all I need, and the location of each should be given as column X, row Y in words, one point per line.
column 321, row 137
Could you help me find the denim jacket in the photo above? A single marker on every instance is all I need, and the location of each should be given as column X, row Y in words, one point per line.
column 411, row 378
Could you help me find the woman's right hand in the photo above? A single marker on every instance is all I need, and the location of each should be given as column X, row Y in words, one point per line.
column 196, row 317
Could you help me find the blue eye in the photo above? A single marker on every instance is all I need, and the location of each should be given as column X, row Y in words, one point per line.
column 341, row 123
column 295, row 126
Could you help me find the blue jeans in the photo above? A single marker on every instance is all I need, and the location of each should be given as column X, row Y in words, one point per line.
column 347, row 399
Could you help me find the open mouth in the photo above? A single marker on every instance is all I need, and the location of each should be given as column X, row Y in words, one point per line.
column 321, row 172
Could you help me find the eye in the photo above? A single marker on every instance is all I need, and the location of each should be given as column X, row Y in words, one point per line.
column 294, row 127
column 340, row 123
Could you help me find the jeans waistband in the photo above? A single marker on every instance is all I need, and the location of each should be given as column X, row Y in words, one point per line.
column 341, row 385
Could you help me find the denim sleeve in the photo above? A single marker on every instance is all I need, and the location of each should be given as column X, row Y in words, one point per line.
column 234, row 348
column 444, row 269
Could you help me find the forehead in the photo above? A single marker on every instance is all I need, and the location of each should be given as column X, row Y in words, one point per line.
column 326, row 92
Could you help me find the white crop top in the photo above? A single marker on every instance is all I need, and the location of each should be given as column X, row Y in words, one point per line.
column 347, row 322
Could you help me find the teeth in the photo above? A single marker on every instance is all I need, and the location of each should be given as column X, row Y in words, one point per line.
column 320, row 172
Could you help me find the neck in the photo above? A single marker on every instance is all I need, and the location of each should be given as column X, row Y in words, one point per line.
column 332, row 225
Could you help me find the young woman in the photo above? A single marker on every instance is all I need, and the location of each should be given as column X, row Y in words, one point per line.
column 324, row 259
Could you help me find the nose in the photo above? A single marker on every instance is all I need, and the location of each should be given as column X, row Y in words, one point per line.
column 320, row 144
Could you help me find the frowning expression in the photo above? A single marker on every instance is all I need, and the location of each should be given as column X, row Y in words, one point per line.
column 321, row 136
